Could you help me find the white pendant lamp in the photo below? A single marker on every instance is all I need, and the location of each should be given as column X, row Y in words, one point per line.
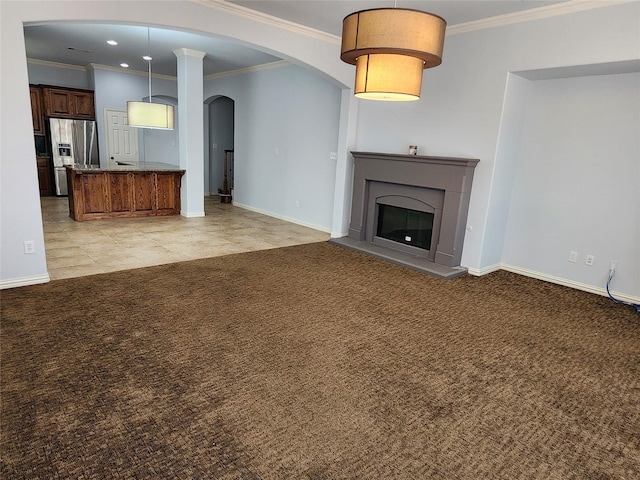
column 390, row 48
column 149, row 114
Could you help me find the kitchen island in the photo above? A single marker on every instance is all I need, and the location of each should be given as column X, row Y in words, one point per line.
column 150, row 189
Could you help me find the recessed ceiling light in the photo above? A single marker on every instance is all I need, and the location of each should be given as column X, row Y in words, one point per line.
column 147, row 58
column 112, row 42
column 124, row 65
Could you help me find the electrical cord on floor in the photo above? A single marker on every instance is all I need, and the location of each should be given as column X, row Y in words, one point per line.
column 634, row 305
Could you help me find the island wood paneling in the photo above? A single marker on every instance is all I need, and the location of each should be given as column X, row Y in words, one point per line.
column 145, row 191
column 92, row 192
column 168, row 192
column 119, row 191
column 97, row 194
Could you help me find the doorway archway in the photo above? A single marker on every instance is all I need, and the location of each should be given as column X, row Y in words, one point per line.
column 221, row 127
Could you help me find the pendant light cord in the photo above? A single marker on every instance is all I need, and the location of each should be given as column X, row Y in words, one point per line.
column 149, row 54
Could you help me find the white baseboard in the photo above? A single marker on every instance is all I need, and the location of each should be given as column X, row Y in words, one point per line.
column 192, row 215
column 483, row 271
column 282, row 217
column 568, row 283
column 24, row 281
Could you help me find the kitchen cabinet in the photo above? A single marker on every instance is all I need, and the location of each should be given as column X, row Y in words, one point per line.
column 45, row 178
column 36, row 110
column 68, row 103
column 82, row 105
column 96, row 194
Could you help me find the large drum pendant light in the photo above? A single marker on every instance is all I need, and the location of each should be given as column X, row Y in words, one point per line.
column 390, row 48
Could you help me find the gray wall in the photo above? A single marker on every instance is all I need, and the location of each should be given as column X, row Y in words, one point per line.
column 47, row 73
column 161, row 145
column 577, row 180
column 113, row 89
column 286, row 126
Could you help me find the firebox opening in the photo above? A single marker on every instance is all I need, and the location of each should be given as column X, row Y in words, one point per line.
column 405, row 226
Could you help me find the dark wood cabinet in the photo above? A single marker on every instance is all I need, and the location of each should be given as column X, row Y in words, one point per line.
column 97, row 194
column 36, row 110
column 45, row 177
column 68, row 103
column 82, row 105
column 57, row 103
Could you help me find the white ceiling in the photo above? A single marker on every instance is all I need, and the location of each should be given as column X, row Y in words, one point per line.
column 327, row 15
column 82, row 44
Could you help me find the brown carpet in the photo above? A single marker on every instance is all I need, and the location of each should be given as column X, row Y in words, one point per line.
column 316, row 362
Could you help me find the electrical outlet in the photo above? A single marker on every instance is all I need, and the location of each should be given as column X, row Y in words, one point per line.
column 612, row 266
column 573, row 257
column 29, row 246
column 333, row 156
column 589, row 260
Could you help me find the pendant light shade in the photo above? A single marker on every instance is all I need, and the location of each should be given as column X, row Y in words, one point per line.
column 388, row 77
column 150, row 115
column 390, row 47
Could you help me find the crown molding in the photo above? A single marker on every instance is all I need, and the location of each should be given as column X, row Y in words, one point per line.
column 128, row 71
column 188, row 52
column 241, row 71
column 47, row 63
column 571, row 6
column 254, row 15
column 97, row 66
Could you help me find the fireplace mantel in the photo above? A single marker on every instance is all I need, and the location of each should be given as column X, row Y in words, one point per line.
column 455, row 161
column 450, row 176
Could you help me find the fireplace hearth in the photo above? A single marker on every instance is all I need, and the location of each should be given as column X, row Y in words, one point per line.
column 411, row 210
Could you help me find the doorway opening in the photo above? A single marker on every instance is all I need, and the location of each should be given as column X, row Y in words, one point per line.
column 221, row 148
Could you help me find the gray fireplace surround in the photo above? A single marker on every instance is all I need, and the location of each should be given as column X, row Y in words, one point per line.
column 438, row 185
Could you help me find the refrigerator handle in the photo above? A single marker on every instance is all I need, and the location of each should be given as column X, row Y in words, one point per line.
column 79, row 154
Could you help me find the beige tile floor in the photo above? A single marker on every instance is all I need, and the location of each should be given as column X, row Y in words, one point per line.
column 75, row 249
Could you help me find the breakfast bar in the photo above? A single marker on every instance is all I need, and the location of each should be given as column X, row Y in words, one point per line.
column 123, row 191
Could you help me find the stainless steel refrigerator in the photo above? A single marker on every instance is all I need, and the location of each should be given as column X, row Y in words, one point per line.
column 72, row 142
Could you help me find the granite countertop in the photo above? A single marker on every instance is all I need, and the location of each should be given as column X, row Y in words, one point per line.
column 141, row 167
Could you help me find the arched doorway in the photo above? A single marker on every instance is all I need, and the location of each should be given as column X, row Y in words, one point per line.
column 221, row 137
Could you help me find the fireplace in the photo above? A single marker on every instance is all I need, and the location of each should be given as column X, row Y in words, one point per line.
column 411, row 210
column 404, row 226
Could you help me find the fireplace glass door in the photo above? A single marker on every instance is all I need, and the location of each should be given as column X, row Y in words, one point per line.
column 405, row 226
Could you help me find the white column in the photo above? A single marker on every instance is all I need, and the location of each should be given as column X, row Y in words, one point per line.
column 191, row 130
column 344, row 166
